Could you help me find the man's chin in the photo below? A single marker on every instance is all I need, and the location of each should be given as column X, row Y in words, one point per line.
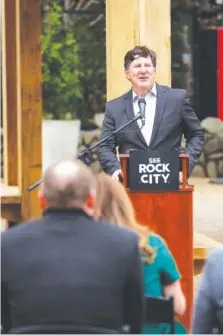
column 144, row 85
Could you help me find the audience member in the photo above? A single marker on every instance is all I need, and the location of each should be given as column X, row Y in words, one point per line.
column 67, row 269
column 208, row 309
column 161, row 276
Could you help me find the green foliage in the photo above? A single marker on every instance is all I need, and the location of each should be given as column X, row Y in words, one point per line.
column 91, row 41
column 74, row 64
column 60, row 67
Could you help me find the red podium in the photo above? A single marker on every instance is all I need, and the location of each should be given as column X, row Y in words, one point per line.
column 170, row 214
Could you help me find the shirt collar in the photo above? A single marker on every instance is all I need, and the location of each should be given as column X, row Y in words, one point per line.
column 153, row 91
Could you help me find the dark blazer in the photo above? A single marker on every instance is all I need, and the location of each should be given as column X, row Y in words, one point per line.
column 67, row 268
column 174, row 117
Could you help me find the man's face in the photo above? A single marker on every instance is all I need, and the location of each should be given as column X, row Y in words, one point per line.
column 141, row 73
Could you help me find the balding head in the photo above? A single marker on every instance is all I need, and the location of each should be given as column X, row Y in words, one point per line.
column 68, row 184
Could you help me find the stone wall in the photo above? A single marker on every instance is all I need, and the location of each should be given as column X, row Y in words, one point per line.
column 86, row 140
column 210, row 163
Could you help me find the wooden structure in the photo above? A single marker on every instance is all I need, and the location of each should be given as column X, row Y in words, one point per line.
column 202, row 245
column 170, row 214
column 136, row 22
column 22, row 112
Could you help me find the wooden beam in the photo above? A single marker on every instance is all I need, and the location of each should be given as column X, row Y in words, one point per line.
column 29, row 95
column 121, row 35
column 9, row 76
column 155, row 32
column 10, row 204
column 202, row 245
column 136, row 22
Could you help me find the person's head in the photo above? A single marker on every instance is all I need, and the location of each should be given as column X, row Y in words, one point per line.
column 114, row 205
column 140, row 69
column 68, row 184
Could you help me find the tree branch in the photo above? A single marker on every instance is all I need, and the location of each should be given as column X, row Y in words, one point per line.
column 98, row 18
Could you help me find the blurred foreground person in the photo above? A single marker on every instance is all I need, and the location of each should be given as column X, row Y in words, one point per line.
column 208, row 309
column 161, row 276
column 67, row 269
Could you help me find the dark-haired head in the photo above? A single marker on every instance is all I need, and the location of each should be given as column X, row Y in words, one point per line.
column 139, row 51
column 140, row 69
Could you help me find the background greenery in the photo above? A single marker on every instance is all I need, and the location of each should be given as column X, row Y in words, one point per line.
column 73, row 60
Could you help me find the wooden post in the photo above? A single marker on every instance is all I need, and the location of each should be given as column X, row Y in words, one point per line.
column 28, row 19
column 22, row 111
column 9, row 92
column 136, row 22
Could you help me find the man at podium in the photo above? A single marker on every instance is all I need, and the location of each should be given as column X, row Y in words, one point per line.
column 165, row 115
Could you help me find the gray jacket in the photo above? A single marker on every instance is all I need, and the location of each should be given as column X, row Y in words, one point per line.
column 174, row 117
column 208, row 309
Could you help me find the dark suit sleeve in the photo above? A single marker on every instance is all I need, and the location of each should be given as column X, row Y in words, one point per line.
column 107, row 150
column 5, row 310
column 203, row 318
column 134, row 292
column 192, row 131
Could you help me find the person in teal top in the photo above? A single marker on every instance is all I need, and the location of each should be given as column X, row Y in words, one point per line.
column 161, row 276
column 162, row 271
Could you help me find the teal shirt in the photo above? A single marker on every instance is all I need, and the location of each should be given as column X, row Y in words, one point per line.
column 163, row 271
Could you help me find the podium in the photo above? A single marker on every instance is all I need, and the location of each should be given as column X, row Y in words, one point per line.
column 169, row 214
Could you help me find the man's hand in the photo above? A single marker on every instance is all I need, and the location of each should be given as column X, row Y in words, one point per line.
column 117, row 175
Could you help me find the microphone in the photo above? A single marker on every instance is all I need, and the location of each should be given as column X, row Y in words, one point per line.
column 142, row 107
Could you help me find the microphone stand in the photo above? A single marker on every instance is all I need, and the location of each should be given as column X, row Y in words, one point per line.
column 85, row 154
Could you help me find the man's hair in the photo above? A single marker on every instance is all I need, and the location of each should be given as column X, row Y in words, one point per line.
column 67, row 182
column 139, row 51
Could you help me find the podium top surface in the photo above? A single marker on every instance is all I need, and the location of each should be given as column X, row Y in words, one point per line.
column 127, row 156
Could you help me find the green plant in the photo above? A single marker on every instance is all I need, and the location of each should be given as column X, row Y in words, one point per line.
column 60, row 67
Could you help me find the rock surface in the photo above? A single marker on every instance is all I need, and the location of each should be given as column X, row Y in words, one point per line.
column 210, row 164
